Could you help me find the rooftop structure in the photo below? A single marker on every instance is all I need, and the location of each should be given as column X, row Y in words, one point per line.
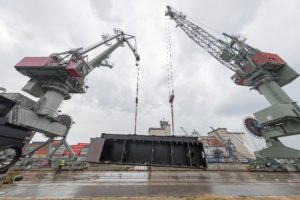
column 164, row 130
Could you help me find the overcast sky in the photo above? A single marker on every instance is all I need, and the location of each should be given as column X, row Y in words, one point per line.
column 205, row 95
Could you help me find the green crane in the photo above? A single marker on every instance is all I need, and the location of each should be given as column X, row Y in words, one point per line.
column 263, row 72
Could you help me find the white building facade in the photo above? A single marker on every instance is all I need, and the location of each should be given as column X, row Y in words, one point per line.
column 164, row 130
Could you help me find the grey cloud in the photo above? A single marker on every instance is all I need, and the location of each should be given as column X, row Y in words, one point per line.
column 102, row 8
column 237, row 104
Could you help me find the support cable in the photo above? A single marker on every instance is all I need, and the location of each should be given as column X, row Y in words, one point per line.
column 136, row 97
column 137, row 91
column 170, row 73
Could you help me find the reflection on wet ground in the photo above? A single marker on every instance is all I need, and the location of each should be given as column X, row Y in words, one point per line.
column 156, row 183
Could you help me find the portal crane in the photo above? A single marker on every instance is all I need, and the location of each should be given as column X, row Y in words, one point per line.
column 264, row 72
column 52, row 80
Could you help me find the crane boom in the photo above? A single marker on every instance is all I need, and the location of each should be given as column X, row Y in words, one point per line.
column 79, row 54
column 212, row 45
column 247, row 62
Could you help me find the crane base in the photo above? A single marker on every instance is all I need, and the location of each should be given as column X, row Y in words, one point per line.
column 276, row 158
column 278, row 151
column 275, row 165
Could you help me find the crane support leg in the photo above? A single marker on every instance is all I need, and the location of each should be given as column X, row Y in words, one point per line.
column 67, row 146
column 280, row 119
column 29, row 154
column 278, row 150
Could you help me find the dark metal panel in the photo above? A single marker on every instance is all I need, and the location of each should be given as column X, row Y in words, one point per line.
column 5, row 105
column 12, row 133
column 150, row 137
column 169, row 151
column 197, row 156
column 112, row 151
column 137, row 151
column 180, row 155
column 95, row 149
column 11, row 136
column 161, row 153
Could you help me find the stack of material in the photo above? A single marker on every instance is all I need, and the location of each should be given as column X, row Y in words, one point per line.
column 80, row 150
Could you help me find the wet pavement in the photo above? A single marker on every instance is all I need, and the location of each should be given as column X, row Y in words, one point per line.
column 157, row 183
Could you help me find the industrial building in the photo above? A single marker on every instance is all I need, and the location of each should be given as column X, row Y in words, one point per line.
column 235, row 142
column 214, row 148
column 219, row 145
column 164, row 130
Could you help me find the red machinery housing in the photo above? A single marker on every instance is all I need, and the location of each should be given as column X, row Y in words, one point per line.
column 49, row 66
column 268, row 61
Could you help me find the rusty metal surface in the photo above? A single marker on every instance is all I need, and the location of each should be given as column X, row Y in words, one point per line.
column 167, row 151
